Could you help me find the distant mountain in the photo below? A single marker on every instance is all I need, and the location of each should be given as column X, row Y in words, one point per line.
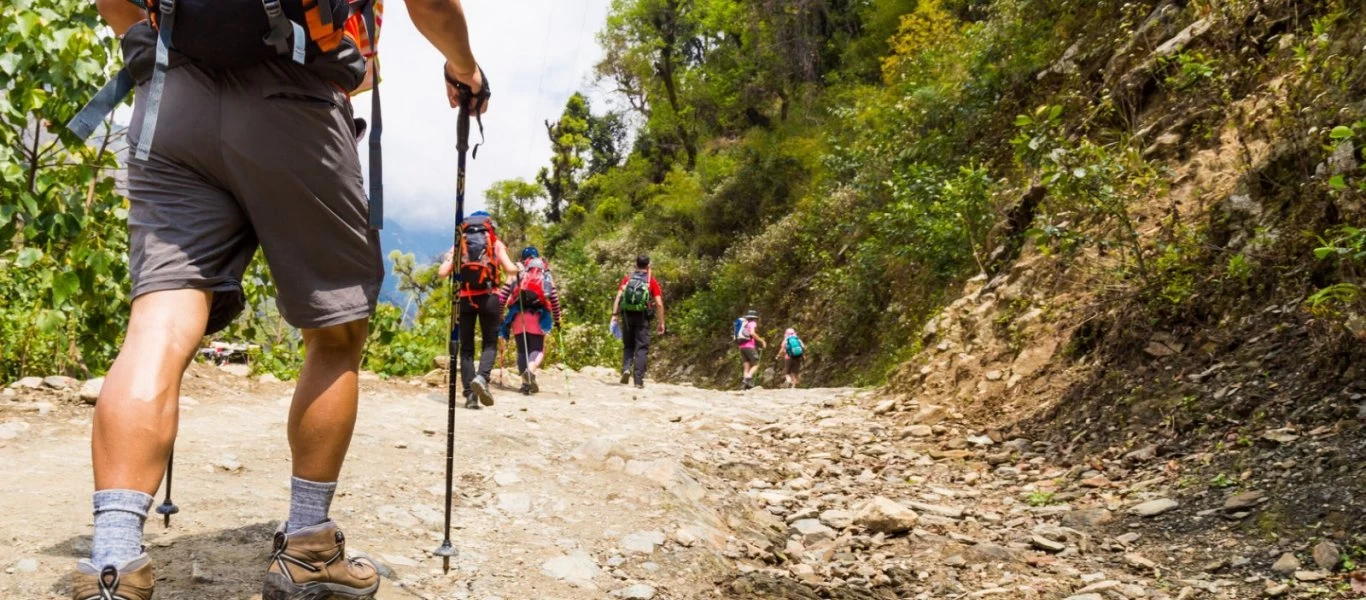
column 426, row 245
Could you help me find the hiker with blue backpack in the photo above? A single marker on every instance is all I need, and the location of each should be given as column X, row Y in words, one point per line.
column 793, row 354
column 749, row 342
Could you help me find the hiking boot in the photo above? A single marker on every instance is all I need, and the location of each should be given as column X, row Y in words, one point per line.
column 625, row 377
column 472, row 404
column 311, row 564
column 131, row 581
column 481, row 390
column 640, row 386
column 531, row 385
column 524, row 390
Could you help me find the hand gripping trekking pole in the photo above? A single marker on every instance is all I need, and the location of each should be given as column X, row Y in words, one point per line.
column 467, row 95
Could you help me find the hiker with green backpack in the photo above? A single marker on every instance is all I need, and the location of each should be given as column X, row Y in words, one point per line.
column 242, row 135
column 793, row 355
column 639, row 300
column 748, row 340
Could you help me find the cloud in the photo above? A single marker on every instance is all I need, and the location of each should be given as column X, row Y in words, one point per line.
column 535, row 52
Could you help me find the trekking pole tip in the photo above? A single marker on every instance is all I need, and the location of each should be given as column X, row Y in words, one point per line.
column 166, row 509
column 446, row 551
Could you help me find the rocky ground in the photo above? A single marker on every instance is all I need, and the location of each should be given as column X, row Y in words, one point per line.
column 595, row 490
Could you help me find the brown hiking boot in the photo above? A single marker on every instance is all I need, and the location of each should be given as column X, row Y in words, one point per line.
column 131, row 581
column 311, row 564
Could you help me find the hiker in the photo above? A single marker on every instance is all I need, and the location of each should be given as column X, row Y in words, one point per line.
column 793, row 354
column 749, row 342
column 639, row 300
column 483, row 260
column 533, row 310
column 251, row 149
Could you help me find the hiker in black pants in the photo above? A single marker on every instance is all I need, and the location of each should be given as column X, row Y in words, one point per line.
column 639, row 300
column 482, row 262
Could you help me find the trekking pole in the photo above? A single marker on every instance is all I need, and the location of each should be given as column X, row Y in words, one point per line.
column 167, row 507
column 564, row 363
column 502, row 361
column 462, row 146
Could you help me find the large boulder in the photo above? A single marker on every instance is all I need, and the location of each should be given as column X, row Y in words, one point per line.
column 881, row 515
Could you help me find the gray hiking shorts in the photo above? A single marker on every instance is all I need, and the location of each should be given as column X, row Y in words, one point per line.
column 263, row 156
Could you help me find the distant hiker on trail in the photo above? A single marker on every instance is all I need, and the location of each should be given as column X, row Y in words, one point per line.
column 747, row 338
column 483, row 260
column 533, row 310
column 793, row 354
column 254, row 146
column 639, row 301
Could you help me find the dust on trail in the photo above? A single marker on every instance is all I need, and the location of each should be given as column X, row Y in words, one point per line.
column 553, row 499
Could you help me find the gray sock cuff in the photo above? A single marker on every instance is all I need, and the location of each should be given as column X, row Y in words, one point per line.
column 129, row 501
column 312, row 486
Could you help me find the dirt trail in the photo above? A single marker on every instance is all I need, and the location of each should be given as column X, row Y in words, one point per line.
column 525, row 496
column 675, row 493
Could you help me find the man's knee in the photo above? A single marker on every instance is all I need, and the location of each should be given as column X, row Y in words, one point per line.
column 345, row 338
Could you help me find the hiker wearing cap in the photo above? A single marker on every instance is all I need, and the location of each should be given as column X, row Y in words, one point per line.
column 483, row 261
column 639, row 300
column 748, row 340
column 793, row 354
column 242, row 136
column 533, row 310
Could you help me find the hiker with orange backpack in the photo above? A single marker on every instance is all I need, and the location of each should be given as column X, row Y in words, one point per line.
column 242, row 136
column 533, row 310
column 483, row 260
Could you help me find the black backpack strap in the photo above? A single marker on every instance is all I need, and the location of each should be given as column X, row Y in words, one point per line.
column 480, row 100
column 376, row 125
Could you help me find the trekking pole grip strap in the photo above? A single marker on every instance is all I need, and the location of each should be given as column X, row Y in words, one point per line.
column 467, row 93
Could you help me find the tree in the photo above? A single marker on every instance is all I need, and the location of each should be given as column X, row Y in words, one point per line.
column 568, row 142
column 649, row 45
column 63, row 244
column 607, row 140
column 511, row 202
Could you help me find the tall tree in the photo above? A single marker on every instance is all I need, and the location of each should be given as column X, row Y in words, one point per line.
column 649, row 47
column 607, row 141
column 568, row 143
column 512, row 203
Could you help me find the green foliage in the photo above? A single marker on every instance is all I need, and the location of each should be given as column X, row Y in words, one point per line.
column 1091, row 186
column 1040, row 498
column 1345, row 248
column 63, row 271
column 569, row 140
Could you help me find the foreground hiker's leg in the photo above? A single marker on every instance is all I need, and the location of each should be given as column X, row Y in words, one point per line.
column 136, row 417
column 323, row 414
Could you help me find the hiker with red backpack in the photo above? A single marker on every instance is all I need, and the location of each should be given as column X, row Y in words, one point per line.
column 639, row 300
column 483, row 261
column 242, row 136
column 533, row 310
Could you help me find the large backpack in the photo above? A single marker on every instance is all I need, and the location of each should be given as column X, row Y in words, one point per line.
column 530, row 291
column 635, row 297
column 478, row 263
column 742, row 333
column 794, row 347
column 334, row 38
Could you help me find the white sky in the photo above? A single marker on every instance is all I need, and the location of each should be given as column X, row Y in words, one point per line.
column 536, row 53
